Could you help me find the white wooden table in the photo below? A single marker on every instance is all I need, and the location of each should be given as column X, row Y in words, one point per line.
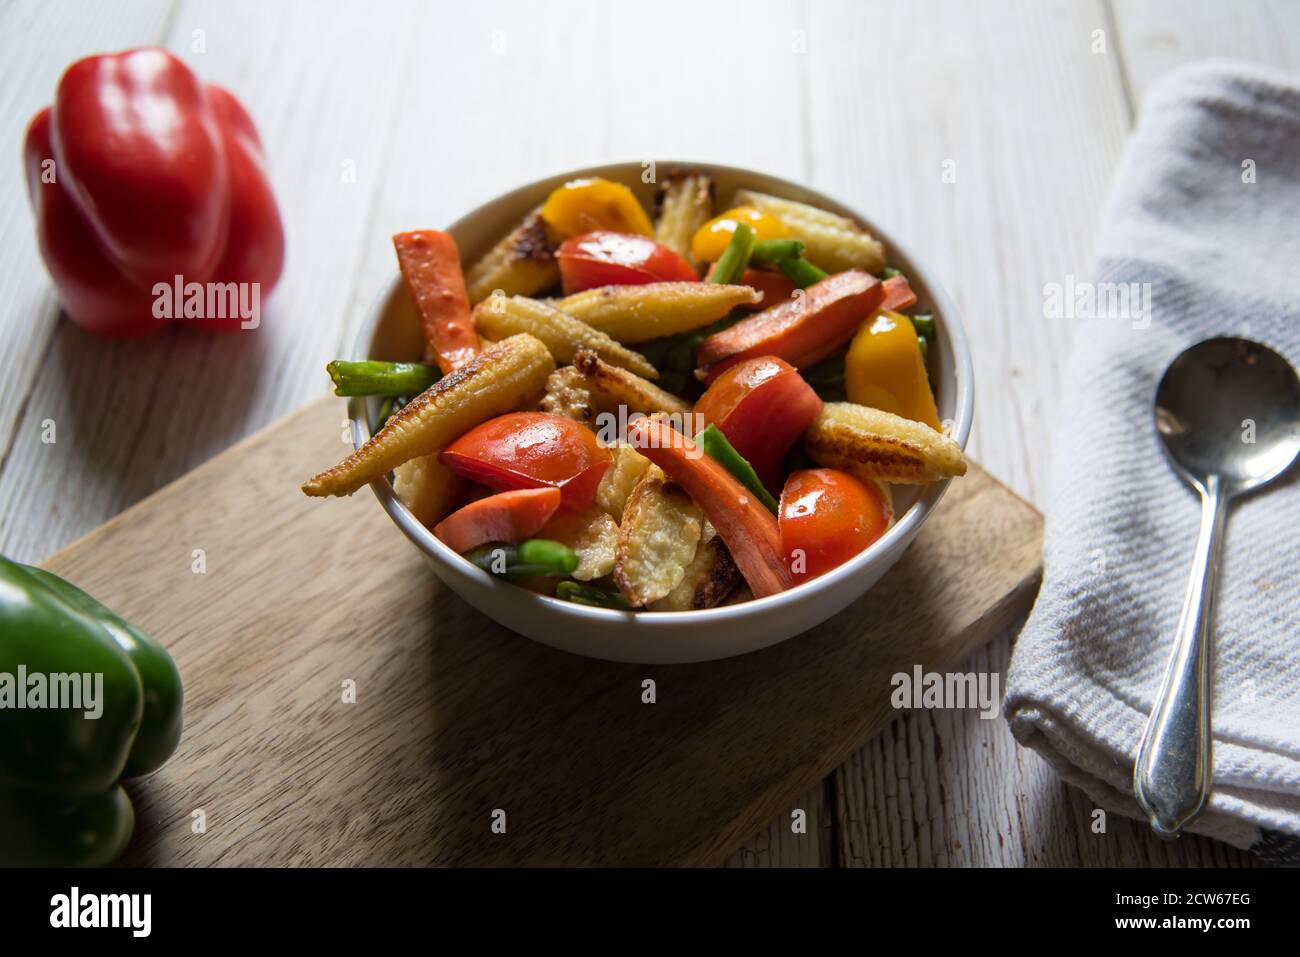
column 438, row 107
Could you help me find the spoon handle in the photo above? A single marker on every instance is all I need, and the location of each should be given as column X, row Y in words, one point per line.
column 1171, row 778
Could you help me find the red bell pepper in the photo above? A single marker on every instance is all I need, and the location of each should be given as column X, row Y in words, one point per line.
column 139, row 174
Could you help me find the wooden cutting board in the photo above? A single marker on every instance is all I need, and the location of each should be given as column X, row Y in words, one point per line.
column 291, row 600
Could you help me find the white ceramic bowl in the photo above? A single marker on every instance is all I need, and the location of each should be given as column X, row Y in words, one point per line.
column 392, row 332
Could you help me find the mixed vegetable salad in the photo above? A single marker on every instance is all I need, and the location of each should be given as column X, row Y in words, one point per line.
column 664, row 413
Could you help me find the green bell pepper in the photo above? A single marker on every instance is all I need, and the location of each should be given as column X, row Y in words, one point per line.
column 86, row 699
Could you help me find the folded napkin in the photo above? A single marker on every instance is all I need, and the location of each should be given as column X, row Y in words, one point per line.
column 1206, row 209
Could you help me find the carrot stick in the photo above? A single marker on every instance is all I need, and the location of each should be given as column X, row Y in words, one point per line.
column 750, row 531
column 507, row 517
column 898, row 294
column 802, row 330
column 430, row 266
column 774, row 286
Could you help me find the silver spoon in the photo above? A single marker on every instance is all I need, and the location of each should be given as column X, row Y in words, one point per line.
column 1228, row 414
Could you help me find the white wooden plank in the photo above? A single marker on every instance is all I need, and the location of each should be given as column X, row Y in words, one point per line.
column 37, row 41
column 1158, row 35
column 132, row 416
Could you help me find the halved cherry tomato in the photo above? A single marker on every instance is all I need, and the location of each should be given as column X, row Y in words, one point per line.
column 508, row 517
column 826, row 517
column 762, row 406
column 605, row 258
column 531, row 450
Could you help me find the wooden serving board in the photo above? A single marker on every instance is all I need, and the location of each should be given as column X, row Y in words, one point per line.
column 292, row 599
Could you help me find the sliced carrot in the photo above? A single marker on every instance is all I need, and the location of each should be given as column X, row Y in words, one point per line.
column 802, row 330
column 898, row 294
column 774, row 286
column 430, row 266
column 748, row 528
column 507, row 517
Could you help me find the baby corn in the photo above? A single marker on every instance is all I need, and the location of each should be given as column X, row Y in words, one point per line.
column 613, row 387
column 833, row 242
column 685, row 203
column 521, row 264
column 872, row 444
column 567, row 395
column 497, row 380
column 656, row 309
column 499, row 316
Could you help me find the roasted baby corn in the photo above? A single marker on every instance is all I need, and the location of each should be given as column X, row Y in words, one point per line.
column 872, row 444
column 833, row 242
column 568, row 395
column 428, row 488
column 521, row 264
column 497, row 380
column 612, row 387
column 708, row 579
column 657, row 539
column 684, row 203
column 499, row 316
column 656, row 309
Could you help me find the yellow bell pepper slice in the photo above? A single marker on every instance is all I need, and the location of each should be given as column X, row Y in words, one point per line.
column 711, row 239
column 884, row 369
column 583, row 205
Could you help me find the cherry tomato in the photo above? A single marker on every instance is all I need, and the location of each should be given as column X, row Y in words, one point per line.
column 762, row 406
column 604, row 258
column 531, row 450
column 826, row 517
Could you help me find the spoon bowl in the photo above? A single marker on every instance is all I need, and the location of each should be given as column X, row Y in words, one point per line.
column 1229, row 407
column 1228, row 414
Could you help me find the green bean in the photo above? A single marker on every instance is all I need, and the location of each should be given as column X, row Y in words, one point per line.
column 385, row 410
column 536, row 557
column 889, row 272
column 768, row 252
column 581, row 594
column 381, row 378
column 724, row 453
column 924, row 325
column 801, row 272
column 925, row 347
column 735, row 259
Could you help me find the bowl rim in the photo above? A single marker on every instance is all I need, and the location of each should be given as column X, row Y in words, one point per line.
column 902, row 530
